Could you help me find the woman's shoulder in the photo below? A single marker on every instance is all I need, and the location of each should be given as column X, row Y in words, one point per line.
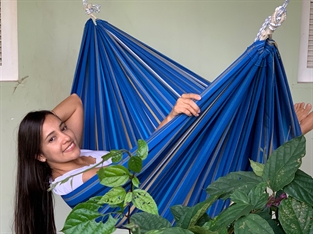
column 93, row 153
column 97, row 154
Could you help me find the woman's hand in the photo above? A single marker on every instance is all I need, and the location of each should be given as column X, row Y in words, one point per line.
column 184, row 105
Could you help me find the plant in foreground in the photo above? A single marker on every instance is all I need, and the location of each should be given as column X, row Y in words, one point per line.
column 276, row 197
column 86, row 218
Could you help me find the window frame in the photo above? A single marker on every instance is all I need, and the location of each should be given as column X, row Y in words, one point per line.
column 305, row 74
column 9, row 67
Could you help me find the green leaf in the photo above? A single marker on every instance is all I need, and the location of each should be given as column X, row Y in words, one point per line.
column 200, row 209
column 242, row 180
column 115, row 155
column 232, row 213
column 192, row 215
column 203, row 219
column 283, row 163
column 142, row 150
column 114, row 196
column 179, row 211
column 301, row 187
column 211, row 225
column 258, row 196
column 239, row 197
column 274, row 224
column 203, row 230
column 135, row 182
column 128, row 198
column 295, row 216
column 135, row 164
column 277, row 228
column 252, row 224
column 82, row 219
column 148, row 222
column 155, row 232
column 174, row 230
column 113, row 176
column 143, row 201
column 257, row 167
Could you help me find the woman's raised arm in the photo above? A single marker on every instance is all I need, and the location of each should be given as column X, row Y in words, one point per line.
column 70, row 110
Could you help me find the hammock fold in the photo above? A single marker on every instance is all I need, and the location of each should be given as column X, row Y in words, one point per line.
column 127, row 88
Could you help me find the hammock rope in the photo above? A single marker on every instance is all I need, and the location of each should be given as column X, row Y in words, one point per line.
column 272, row 22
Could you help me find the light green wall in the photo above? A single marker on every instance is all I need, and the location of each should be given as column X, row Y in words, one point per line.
column 205, row 36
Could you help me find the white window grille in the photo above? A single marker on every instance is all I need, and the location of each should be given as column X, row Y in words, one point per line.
column 305, row 67
column 9, row 59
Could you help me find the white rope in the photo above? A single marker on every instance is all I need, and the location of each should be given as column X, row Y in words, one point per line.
column 90, row 9
column 272, row 22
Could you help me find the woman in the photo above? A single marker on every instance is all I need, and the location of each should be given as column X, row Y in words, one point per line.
column 49, row 150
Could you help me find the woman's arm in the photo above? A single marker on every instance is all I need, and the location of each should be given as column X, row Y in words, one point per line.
column 70, row 110
column 184, row 105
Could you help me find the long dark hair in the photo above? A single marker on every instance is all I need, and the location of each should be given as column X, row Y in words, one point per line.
column 33, row 203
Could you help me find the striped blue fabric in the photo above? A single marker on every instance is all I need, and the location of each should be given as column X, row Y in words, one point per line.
column 127, row 88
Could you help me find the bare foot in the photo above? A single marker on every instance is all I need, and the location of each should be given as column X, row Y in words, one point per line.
column 305, row 117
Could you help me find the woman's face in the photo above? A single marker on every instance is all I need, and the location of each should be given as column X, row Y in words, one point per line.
column 58, row 143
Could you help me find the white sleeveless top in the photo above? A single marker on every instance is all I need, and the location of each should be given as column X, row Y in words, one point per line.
column 76, row 181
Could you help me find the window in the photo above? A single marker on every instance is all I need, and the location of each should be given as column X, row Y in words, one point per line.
column 305, row 73
column 8, row 31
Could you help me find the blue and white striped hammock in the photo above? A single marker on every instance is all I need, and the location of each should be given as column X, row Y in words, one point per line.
column 127, row 88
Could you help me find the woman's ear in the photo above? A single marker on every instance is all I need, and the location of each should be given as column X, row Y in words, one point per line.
column 41, row 158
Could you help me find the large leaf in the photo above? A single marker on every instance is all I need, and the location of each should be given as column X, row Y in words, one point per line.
column 143, row 201
column 114, row 196
column 179, row 211
column 283, row 163
column 266, row 214
column 193, row 214
column 301, row 187
column 82, row 220
column 203, row 219
column 203, row 230
column 211, row 225
column 258, row 196
column 200, row 209
column 295, row 216
column 148, row 222
column 239, row 197
column 113, row 176
column 174, row 230
column 252, row 224
column 232, row 213
column 241, row 180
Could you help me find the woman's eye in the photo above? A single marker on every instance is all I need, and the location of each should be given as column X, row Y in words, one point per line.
column 64, row 128
column 51, row 139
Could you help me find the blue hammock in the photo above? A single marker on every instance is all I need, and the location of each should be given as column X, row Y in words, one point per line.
column 127, row 88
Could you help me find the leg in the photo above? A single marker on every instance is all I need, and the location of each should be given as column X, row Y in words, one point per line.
column 305, row 117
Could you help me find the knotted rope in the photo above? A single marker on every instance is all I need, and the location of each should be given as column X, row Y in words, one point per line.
column 272, row 22
column 90, row 9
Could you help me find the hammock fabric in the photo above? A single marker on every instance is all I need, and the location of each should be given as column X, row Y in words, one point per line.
column 127, row 88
